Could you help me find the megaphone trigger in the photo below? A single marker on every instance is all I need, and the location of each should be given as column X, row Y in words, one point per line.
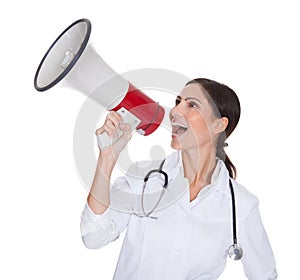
column 104, row 140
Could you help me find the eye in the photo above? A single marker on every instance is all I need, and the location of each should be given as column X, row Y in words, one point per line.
column 193, row 104
column 178, row 100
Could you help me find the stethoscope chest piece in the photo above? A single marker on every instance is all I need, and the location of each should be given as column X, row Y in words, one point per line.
column 235, row 252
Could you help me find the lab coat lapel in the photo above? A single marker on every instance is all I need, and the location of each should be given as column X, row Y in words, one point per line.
column 178, row 188
column 179, row 191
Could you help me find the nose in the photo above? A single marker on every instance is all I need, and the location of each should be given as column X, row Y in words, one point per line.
column 180, row 104
column 178, row 109
column 176, row 112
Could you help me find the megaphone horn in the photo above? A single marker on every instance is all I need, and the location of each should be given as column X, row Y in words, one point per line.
column 71, row 57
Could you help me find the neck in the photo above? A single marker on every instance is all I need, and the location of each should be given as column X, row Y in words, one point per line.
column 199, row 167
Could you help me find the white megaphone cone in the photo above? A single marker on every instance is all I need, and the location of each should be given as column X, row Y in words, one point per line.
column 71, row 57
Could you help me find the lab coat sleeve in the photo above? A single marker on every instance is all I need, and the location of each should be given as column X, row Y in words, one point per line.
column 99, row 230
column 258, row 259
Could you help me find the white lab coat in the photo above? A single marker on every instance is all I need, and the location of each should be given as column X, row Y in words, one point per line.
column 188, row 240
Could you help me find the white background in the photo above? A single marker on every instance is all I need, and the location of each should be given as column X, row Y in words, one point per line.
column 252, row 46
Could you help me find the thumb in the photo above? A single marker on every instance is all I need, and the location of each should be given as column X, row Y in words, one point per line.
column 126, row 128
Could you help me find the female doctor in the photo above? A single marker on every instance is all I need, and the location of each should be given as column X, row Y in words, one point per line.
column 190, row 213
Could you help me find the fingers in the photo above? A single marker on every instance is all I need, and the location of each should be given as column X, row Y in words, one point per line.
column 118, row 132
column 99, row 131
column 112, row 122
column 126, row 128
column 114, row 117
column 123, row 140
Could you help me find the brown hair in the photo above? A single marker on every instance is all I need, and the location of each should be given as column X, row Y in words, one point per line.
column 225, row 103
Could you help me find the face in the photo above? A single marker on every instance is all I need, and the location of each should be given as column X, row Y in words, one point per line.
column 194, row 124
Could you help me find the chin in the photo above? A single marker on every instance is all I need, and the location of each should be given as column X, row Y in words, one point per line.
column 185, row 145
column 175, row 144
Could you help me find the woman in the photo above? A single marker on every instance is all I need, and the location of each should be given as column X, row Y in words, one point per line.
column 186, row 237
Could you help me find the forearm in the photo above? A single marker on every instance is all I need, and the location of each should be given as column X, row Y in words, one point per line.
column 99, row 196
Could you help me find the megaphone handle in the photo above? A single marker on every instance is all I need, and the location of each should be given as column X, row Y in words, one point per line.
column 104, row 140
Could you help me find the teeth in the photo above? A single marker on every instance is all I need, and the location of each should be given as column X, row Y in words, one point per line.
column 179, row 125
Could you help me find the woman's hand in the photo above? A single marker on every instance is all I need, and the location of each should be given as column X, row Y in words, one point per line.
column 113, row 121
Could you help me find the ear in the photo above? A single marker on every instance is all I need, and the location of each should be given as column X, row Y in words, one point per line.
column 220, row 125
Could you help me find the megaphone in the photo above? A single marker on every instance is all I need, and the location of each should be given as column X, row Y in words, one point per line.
column 70, row 57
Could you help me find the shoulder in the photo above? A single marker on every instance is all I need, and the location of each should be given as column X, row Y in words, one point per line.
column 171, row 161
column 244, row 199
column 133, row 179
column 137, row 171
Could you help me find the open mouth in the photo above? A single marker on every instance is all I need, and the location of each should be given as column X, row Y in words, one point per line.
column 178, row 129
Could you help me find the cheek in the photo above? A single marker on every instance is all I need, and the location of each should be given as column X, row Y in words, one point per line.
column 199, row 127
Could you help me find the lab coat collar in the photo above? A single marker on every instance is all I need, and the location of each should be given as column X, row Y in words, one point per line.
column 178, row 188
column 179, row 185
column 219, row 180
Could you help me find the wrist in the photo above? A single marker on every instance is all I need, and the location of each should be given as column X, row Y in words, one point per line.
column 107, row 160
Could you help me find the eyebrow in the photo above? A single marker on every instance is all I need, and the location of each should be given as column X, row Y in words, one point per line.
column 188, row 98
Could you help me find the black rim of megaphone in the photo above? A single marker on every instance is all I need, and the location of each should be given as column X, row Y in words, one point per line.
column 74, row 60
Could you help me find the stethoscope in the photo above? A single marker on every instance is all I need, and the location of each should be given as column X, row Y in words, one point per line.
column 234, row 251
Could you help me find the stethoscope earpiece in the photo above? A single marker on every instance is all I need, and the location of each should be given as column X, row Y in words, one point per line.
column 235, row 252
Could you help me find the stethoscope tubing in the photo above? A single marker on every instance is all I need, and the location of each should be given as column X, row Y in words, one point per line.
column 233, row 213
column 159, row 170
column 234, row 251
